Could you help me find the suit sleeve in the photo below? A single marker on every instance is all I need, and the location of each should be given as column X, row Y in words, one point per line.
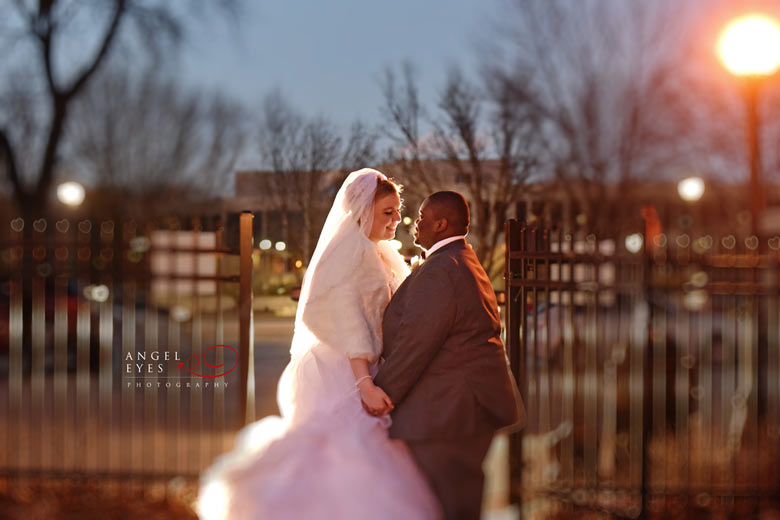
column 427, row 317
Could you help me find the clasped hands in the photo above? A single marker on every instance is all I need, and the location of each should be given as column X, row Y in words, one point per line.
column 375, row 401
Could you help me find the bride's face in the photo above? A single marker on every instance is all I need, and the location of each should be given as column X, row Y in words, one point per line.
column 387, row 215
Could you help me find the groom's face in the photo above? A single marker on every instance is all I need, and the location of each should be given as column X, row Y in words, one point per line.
column 424, row 233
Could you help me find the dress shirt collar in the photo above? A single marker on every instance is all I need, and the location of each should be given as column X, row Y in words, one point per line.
column 441, row 243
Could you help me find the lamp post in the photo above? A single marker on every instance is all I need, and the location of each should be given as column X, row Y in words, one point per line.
column 749, row 48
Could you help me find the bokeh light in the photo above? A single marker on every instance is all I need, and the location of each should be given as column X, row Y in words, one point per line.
column 634, row 243
column 71, row 193
column 180, row 313
column 691, row 189
column 97, row 293
column 140, row 244
column 750, row 46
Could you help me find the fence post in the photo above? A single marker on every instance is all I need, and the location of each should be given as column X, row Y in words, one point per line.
column 648, row 381
column 246, row 322
column 514, row 308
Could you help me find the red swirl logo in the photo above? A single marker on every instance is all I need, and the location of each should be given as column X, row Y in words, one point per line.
column 190, row 367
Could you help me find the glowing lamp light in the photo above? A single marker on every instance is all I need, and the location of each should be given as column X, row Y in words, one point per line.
column 180, row 313
column 265, row 244
column 407, row 221
column 280, row 246
column 70, row 193
column 691, row 189
column 298, row 264
column 750, row 46
column 397, row 245
column 96, row 293
column 695, row 300
column 634, row 243
column 140, row 244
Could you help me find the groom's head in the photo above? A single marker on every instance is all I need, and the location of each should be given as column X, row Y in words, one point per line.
column 442, row 215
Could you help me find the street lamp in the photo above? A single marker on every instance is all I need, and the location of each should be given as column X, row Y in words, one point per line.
column 691, row 189
column 70, row 193
column 749, row 47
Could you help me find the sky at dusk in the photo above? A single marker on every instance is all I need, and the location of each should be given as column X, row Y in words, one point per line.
column 327, row 57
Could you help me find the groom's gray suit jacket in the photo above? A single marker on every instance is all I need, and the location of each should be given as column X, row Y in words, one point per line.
column 445, row 368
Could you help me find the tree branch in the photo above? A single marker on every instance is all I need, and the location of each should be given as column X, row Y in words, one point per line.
column 43, row 27
column 121, row 6
column 9, row 156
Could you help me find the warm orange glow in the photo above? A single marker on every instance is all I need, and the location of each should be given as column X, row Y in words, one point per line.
column 750, row 46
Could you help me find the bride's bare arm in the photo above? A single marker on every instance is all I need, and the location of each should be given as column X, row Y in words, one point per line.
column 359, row 367
column 375, row 399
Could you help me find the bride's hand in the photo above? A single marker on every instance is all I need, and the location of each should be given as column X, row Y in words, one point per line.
column 375, row 400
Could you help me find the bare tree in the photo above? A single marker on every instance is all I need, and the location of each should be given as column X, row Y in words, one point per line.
column 321, row 147
column 613, row 87
column 360, row 147
column 300, row 153
column 151, row 137
column 43, row 33
column 491, row 143
column 412, row 155
column 278, row 137
column 481, row 142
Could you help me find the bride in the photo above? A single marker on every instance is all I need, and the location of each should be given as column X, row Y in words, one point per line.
column 325, row 457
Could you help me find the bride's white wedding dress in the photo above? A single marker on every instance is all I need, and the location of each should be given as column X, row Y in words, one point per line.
column 325, row 457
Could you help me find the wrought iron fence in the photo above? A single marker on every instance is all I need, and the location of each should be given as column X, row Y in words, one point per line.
column 125, row 346
column 650, row 370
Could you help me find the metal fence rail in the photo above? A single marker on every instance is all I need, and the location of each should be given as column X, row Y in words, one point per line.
column 108, row 335
column 650, row 370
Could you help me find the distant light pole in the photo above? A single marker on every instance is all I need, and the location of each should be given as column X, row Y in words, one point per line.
column 749, row 48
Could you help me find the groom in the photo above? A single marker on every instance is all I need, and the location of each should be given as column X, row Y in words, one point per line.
column 445, row 368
